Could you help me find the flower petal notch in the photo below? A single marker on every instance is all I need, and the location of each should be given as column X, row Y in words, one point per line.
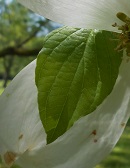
column 84, row 13
column 84, row 145
column 9, row 158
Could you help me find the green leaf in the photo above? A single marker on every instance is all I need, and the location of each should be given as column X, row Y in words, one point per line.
column 76, row 70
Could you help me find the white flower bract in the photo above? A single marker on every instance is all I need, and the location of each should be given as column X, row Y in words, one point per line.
column 84, row 145
column 90, row 14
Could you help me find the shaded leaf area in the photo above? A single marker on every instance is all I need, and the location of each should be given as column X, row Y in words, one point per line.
column 76, row 70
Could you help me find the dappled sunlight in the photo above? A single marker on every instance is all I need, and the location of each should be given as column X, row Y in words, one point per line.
column 1, row 88
column 120, row 151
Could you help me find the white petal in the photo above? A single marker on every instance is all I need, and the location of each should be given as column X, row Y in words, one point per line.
column 90, row 14
column 88, row 141
column 20, row 125
column 92, row 137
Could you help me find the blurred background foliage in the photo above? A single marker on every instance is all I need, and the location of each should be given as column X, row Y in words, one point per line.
column 21, row 38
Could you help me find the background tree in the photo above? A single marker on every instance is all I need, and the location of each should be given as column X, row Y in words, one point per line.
column 21, row 35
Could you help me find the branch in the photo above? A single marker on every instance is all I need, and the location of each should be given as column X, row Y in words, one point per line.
column 21, row 52
column 34, row 33
column 28, row 38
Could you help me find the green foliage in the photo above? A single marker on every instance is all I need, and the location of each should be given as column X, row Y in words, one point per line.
column 20, row 30
column 1, row 88
column 75, row 72
column 19, row 64
column 16, row 24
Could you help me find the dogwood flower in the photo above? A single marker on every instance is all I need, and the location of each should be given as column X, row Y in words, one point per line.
column 23, row 139
column 91, row 138
column 88, row 14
